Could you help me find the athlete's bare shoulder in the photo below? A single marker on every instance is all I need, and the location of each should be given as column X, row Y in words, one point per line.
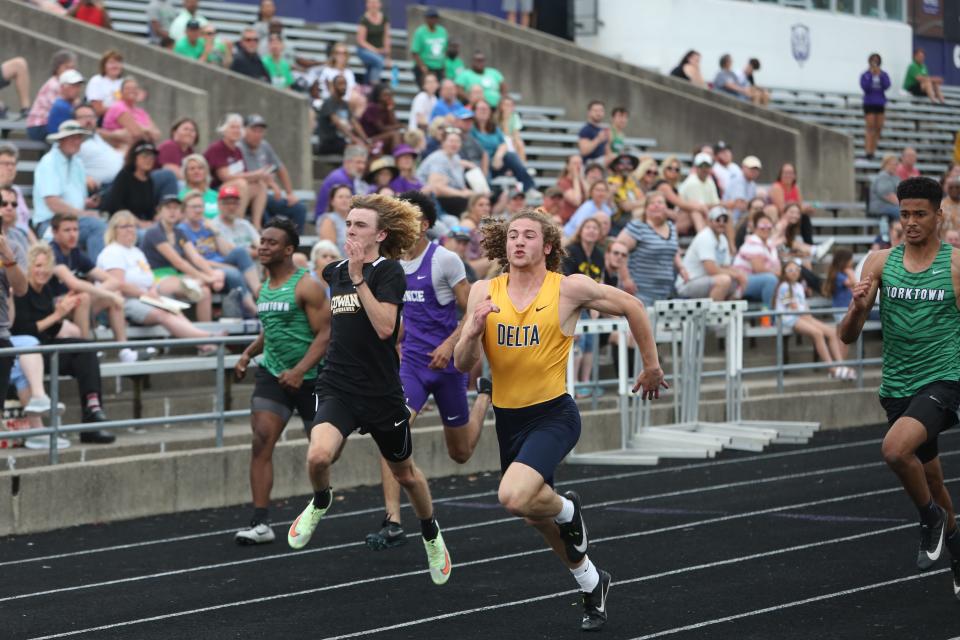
column 874, row 263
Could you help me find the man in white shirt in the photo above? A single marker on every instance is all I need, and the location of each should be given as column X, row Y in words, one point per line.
column 742, row 187
column 724, row 169
column 708, row 262
column 699, row 185
column 191, row 11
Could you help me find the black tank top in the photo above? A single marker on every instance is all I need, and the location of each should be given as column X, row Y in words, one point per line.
column 679, row 73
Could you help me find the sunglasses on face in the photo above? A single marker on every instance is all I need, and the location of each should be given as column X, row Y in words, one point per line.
column 765, row 227
column 251, row 39
column 8, row 203
column 621, row 254
column 674, row 168
column 721, row 219
column 651, row 173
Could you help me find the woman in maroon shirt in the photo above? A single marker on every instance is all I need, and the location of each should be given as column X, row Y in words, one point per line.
column 184, row 135
column 226, row 165
column 379, row 121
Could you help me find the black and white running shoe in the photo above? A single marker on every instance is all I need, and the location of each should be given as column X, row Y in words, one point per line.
column 595, row 604
column 390, row 535
column 931, row 542
column 574, row 533
column 955, row 569
column 256, row 533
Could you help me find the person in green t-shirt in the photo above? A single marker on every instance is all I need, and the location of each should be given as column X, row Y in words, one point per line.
column 428, row 47
column 221, row 54
column 192, row 45
column 489, row 79
column 281, row 74
column 453, row 65
column 918, row 80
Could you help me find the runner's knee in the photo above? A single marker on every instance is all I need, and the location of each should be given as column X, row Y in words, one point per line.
column 319, row 456
column 513, row 500
column 406, row 476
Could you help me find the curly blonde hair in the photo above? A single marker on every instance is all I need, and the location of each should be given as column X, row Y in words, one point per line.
column 494, row 240
column 399, row 218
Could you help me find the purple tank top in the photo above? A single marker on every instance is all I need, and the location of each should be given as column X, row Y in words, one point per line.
column 426, row 322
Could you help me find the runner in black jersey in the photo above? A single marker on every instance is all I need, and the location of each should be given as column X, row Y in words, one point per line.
column 359, row 387
column 295, row 318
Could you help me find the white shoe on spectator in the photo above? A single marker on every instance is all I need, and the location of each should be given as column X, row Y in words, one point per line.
column 40, row 405
column 43, row 442
column 822, row 250
column 534, row 194
column 190, row 289
column 128, row 355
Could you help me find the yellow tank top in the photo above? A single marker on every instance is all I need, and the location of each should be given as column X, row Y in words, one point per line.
column 526, row 348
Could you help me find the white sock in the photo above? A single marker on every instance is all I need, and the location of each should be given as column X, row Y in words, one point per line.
column 586, row 576
column 566, row 511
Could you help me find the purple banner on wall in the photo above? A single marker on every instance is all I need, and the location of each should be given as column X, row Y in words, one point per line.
column 943, row 58
column 326, row 11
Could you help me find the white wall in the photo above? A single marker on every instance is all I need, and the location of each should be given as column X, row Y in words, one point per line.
column 656, row 33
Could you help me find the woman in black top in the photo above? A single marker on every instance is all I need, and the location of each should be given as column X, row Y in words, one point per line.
column 133, row 188
column 689, row 69
column 585, row 256
column 40, row 314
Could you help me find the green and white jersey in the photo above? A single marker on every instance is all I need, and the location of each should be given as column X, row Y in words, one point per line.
column 286, row 330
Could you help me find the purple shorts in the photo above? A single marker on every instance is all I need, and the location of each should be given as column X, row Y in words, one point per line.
column 449, row 391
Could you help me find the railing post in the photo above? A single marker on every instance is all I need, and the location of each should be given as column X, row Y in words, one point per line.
column 779, row 353
column 54, row 399
column 218, row 409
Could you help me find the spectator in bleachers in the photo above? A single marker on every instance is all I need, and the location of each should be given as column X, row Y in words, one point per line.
column 60, row 186
column 236, row 229
column 840, row 280
column 594, row 172
column 406, row 163
column 15, row 235
column 125, row 114
column 227, row 165
column 133, row 189
column 240, row 273
column 918, row 81
column 518, row 8
column 626, row 193
column 951, row 205
column 791, row 296
column 71, row 88
column 428, row 47
column 373, row 41
column 614, row 262
column 494, row 144
column 593, row 137
column 380, row 123
column 246, row 56
column 874, row 82
column 192, row 45
column 907, row 167
column 453, row 63
column 688, row 216
column 619, row 118
column 101, row 160
column 786, row 238
column 279, row 68
column 13, row 281
column 423, row 103
column 61, row 61
column 598, row 201
column 9, row 155
column 443, row 172
column 103, row 89
column 689, row 69
column 758, row 95
column 952, row 237
column 337, row 65
column 322, row 254
column 478, row 209
column 571, row 182
column 178, row 269
column 584, row 255
column 127, row 265
column 184, row 136
column 709, row 263
column 160, row 15
column 447, row 103
column 699, row 187
column 40, row 314
column 332, row 225
column 350, row 173
column 510, row 123
column 553, row 204
column 726, row 81
column 748, row 221
column 190, row 12
column 75, row 273
column 654, row 260
column 196, row 177
column 724, row 168
column 15, row 71
column 92, row 12
column 786, row 190
column 457, row 240
column 382, row 172
column 470, row 150
column 646, row 175
column 759, row 262
column 336, row 125
column 741, row 187
column 222, row 53
column 269, row 25
column 258, row 154
column 883, row 190
column 488, row 78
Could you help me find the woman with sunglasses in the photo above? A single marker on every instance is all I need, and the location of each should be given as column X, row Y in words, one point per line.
column 688, row 216
column 652, row 244
column 339, row 57
column 758, row 260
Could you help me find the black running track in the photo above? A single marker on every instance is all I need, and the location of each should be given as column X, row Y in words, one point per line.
column 798, row 542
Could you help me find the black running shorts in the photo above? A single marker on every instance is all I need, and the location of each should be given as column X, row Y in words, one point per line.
column 386, row 419
column 270, row 395
column 934, row 406
column 539, row 436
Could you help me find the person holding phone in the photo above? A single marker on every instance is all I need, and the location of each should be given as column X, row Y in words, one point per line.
column 874, row 82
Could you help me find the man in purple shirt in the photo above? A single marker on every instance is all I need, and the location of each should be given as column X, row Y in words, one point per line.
column 437, row 288
column 406, row 158
column 350, row 173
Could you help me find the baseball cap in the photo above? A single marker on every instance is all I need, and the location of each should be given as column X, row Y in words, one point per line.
column 169, row 197
column 701, row 159
column 144, row 146
column 431, row 12
column 460, row 233
column 71, row 76
column 752, row 162
column 404, row 150
column 553, row 192
column 193, row 24
column 720, row 146
column 228, row 191
column 718, row 211
column 462, row 113
column 255, row 120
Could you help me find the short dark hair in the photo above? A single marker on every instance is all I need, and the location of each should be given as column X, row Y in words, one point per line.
column 422, row 202
column 920, row 188
column 618, row 110
column 83, row 105
column 725, row 59
column 286, row 225
column 755, row 63
column 877, row 56
column 593, row 102
column 60, row 218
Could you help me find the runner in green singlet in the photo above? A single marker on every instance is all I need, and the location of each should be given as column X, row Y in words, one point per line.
column 918, row 283
column 295, row 320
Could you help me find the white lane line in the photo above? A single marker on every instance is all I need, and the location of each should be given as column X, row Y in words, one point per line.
column 511, row 556
column 288, row 555
column 795, row 603
column 347, row 514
